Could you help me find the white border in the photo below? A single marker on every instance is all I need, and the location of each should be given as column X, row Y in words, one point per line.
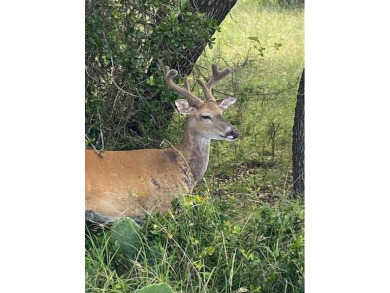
column 42, row 146
column 347, row 146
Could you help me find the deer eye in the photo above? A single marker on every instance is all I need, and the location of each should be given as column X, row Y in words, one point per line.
column 206, row 117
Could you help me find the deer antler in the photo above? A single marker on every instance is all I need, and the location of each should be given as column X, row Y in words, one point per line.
column 169, row 74
column 217, row 75
column 207, row 92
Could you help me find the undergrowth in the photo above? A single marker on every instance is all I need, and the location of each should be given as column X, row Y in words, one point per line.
column 201, row 246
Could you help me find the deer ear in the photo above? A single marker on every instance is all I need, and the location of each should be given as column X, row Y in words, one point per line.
column 224, row 104
column 183, row 106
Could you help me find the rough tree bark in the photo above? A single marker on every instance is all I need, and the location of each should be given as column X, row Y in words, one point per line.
column 214, row 9
column 298, row 146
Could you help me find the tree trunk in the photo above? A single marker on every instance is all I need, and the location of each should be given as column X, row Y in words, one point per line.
column 298, row 146
column 215, row 9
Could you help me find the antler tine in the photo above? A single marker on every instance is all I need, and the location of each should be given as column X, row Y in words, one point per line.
column 217, row 75
column 207, row 92
column 169, row 74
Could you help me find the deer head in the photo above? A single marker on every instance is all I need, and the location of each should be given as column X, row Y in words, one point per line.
column 204, row 117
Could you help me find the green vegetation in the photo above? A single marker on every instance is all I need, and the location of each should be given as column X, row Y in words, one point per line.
column 126, row 100
column 243, row 229
column 203, row 245
column 161, row 288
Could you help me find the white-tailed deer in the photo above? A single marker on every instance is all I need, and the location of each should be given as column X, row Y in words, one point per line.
column 133, row 183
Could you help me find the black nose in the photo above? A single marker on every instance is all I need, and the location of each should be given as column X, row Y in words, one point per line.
column 234, row 133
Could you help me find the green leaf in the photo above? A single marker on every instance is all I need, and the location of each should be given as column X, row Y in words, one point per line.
column 236, row 229
column 156, row 288
column 116, row 14
column 150, row 81
column 210, row 250
column 126, row 233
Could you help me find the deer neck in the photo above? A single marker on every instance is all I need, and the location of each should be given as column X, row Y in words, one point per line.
column 195, row 149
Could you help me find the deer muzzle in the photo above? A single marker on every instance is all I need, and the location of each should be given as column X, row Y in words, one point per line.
column 231, row 135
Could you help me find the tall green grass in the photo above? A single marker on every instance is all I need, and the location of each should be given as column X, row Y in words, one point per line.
column 242, row 230
column 201, row 247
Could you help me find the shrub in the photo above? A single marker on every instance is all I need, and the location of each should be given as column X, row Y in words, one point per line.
column 127, row 43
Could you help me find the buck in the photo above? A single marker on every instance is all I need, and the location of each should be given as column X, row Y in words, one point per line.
column 133, row 183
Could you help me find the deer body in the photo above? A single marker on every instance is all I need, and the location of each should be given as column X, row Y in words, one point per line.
column 133, row 183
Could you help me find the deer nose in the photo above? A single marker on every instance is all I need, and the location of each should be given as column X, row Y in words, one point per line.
column 234, row 133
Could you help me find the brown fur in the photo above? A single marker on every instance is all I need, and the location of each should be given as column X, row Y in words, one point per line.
column 129, row 183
